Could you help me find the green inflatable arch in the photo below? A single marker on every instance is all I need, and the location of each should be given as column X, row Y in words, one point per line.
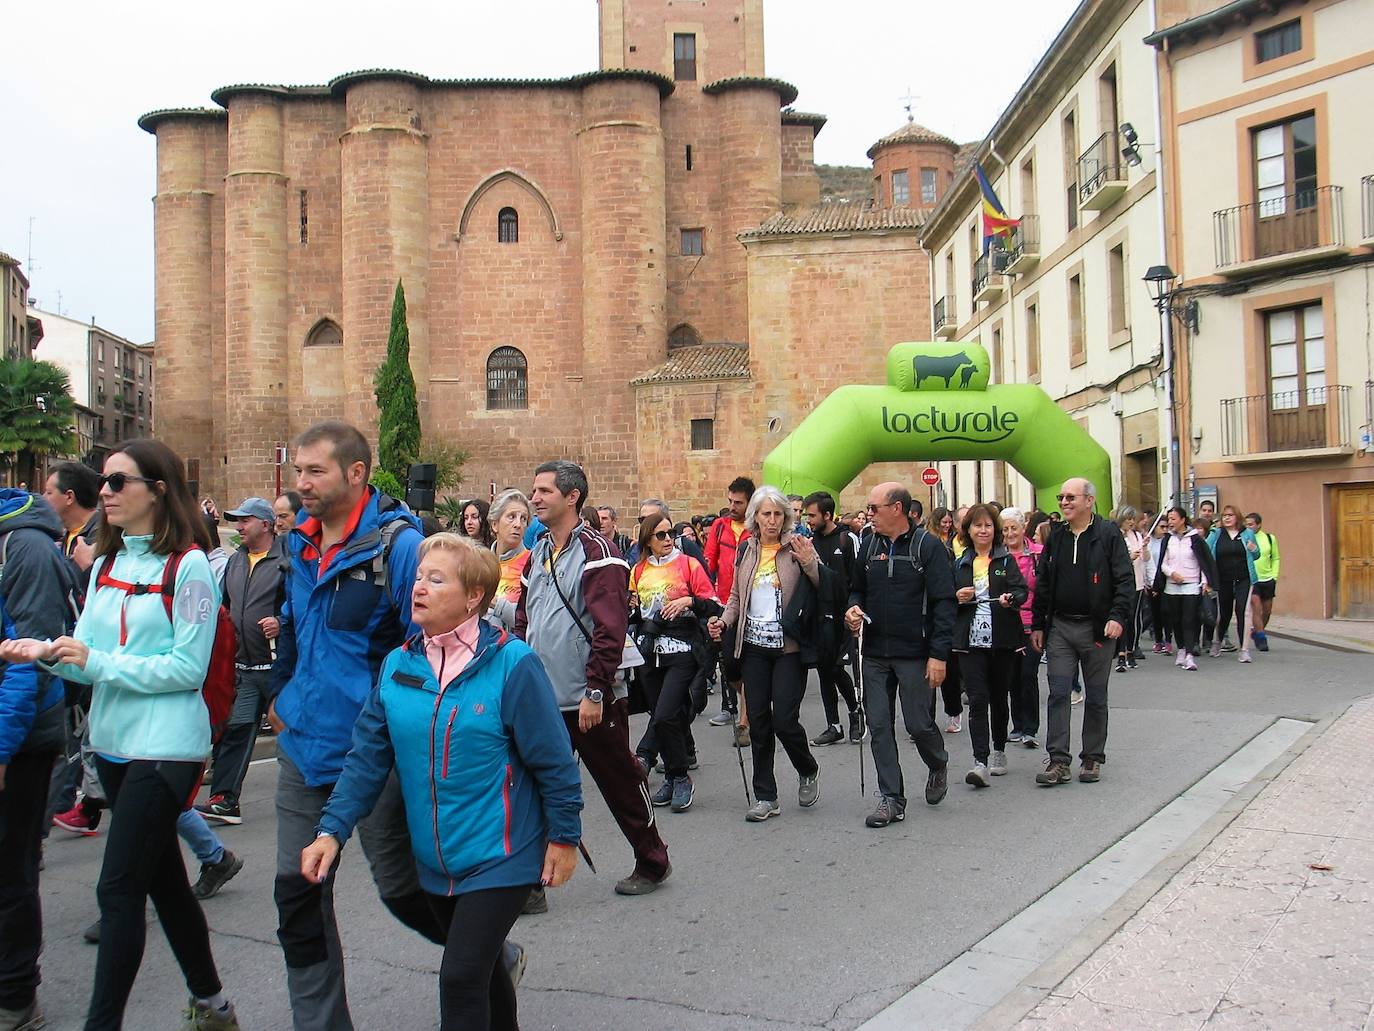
column 937, row 406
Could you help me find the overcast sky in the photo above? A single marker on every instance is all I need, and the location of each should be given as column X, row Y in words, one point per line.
column 77, row 79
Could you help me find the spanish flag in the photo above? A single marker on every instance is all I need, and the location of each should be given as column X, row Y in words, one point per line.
column 996, row 221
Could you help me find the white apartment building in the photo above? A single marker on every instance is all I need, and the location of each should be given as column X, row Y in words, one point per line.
column 1063, row 302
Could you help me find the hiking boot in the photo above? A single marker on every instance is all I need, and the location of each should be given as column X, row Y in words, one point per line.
column 829, row 736
column 683, row 793
column 809, row 790
column 76, row 821
column 664, row 794
column 937, row 787
column 1090, row 772
column 221, row 809
column 200, row 1016
column 890, row 810
column 722, row 719
column 1054, row 773
column 741, row 737
column 997, row 765
column 978, row 776
column 761, row 810
column 29, row 1018
column 91, row 935
column 954, row 725
column 641, row 884
column 856, row 727
column 537, row 903
column 214, row 876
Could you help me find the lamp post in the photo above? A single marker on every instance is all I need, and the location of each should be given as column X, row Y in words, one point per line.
column 1159, row 280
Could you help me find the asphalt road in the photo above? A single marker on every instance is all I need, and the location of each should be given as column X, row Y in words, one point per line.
column 810, row 920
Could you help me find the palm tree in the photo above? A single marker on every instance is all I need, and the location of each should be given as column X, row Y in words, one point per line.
column 37, row 414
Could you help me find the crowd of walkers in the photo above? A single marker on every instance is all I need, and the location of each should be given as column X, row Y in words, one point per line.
column 433, row 690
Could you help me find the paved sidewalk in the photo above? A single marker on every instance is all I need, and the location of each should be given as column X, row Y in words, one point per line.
column 1270, row 926
column 1345, row 634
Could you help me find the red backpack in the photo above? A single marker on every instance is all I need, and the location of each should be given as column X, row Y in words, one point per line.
column 219, row 687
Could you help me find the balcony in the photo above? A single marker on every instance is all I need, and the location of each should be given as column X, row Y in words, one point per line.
column 1294, row 229
column 944, row 319
column 1023, row 248
column 1367, row 210
column 987, row 275
column 1311, row 423
column 1102, row 173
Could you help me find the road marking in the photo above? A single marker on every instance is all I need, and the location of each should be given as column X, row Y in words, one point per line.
column 959, row 994
column 259, row 762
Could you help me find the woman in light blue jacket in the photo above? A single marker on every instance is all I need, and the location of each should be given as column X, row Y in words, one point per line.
column 149, row 726
column 1234, row 548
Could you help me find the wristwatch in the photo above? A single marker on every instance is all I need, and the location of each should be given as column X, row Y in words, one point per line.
column 594, row 695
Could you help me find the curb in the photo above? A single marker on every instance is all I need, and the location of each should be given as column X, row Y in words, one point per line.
column 1338, row 644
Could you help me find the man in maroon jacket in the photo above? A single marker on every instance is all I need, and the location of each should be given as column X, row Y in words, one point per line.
column 722, row 545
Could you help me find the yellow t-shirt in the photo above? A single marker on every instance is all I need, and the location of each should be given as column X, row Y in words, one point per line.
column 254, row 557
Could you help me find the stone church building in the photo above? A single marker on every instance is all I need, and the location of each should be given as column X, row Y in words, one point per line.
column 631, row 267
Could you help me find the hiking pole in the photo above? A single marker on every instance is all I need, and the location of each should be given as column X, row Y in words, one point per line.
column 739, row 749
column 863, row 710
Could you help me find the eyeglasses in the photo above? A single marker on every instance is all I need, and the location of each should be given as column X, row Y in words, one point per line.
column 873, row 509
column 663, row 535
column 118, row 481
column 1061, row 498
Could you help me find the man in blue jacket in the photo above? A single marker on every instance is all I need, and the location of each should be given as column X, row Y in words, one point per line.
column 352, row 559
column 35, row 602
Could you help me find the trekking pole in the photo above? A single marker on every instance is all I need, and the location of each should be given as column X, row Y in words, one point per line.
column 863, row 711
column 739, row 752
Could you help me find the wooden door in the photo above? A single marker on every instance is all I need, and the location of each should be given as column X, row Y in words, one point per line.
column 1355, row 552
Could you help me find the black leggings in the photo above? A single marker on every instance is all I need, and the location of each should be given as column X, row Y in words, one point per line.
column 1233, row 596
column 774, row 683
column 988, row 676
column 1182, row 613
column 475, row 991
column 142, row 861
column 952, row 690
column 1025, row 697
column 1163, row 631
column 666, row 680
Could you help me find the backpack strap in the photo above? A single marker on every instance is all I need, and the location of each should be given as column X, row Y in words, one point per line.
column 379, row 561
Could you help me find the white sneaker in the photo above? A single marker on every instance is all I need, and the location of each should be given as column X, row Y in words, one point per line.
column 978, row 776
column 997, row 765
column 954, row 725
column 1245, row 655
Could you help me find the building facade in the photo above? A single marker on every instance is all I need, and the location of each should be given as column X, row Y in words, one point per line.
column 1269, row 169
column 1061, row 302
column 20, row 332
column 627, row 268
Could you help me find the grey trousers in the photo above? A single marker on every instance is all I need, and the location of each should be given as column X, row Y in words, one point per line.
column 1069, row 648
column 884, row 680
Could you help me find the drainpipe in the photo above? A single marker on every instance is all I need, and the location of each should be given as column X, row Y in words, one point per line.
column 1167, row 337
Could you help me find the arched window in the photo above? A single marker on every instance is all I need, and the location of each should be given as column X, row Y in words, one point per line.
column 507, row 382
column 325, row 334
column 683, row 336
column 508, row 226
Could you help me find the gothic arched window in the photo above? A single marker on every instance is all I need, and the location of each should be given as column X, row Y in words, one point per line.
column 507, row 380
column 325, row 334
column 508, row 226
column 683, row 336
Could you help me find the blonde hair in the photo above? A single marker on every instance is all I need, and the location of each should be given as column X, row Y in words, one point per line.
column 477, row 566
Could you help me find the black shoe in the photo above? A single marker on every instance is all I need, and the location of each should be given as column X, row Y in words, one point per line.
column 937, row 786
column 91, row 935
column 537, row 903
column 221, row 809
column 1121, row 664
column 856, row 727
column 664, row 795
column 889, row 811
column 641, row 884
column 692, row 763
column 1131, row 661
column 828, row 736
column 214, row 876
column 645, row 764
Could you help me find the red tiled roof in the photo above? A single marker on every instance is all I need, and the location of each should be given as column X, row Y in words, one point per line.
column 701, row 361
column 821, row 219
column 910, row 133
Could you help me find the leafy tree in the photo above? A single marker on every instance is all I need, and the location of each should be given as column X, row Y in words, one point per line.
column 448, row 463
column 37, row 414
column 387, row 484
column 449, row 510
column 398, row 442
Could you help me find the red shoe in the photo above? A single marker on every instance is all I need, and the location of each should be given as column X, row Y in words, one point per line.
column 76, row 821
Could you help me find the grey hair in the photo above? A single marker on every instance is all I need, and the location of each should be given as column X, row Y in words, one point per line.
column 767, row 493
column 615, row 516
column 1012, row 514
column 655, row 503
column 1089, row 489
column 1126, row 512
column 567, row 477
column 503, row 501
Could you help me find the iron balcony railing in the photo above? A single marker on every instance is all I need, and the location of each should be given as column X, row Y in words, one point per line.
column 1287, row 224
column 1024, row 239
column 943, row 314
column 1100, row 164
column 1367, row 207
column 1286, row 420
column 992, row 263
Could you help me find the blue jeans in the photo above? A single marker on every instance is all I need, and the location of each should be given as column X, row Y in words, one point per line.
column 193, row 830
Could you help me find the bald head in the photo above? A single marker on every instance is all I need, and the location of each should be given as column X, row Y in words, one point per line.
column 888, row 503
column 1076, row 500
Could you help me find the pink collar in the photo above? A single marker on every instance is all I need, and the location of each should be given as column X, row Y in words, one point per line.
column 450, row 652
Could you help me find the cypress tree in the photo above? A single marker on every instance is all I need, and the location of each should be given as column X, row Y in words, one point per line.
column 398, row 444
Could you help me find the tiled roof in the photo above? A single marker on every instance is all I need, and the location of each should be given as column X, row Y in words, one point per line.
column 821, row 219
column 910, row 133
column 5, row 259
column 701, row 361
column 817, row 122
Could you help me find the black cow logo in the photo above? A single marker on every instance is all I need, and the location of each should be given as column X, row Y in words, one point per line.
column 944, row 366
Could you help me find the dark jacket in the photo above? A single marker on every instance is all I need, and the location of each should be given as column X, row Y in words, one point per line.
column 906, row 587
column 36, row 591
column 1112, row 577
column 254, row 594
column 1004, row 577
column 839, row 550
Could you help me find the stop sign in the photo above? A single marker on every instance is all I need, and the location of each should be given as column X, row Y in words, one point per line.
column 930, row 476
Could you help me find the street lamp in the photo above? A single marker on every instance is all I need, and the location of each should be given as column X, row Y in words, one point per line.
column 1159, row 280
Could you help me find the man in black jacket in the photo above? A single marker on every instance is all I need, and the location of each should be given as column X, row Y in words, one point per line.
column 838, row 549
column 1083, row 597
column 902, row 595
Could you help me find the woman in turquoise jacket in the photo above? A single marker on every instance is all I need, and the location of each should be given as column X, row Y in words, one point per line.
column 149, row 726
column 466, row 715
column 1234, row 548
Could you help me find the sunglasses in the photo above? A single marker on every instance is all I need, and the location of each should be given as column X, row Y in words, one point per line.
column 118, row 481
column 663, row 535
column 1061, row 498
column 873, row 509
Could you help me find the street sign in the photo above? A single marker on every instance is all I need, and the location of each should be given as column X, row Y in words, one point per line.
column 930, row 476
